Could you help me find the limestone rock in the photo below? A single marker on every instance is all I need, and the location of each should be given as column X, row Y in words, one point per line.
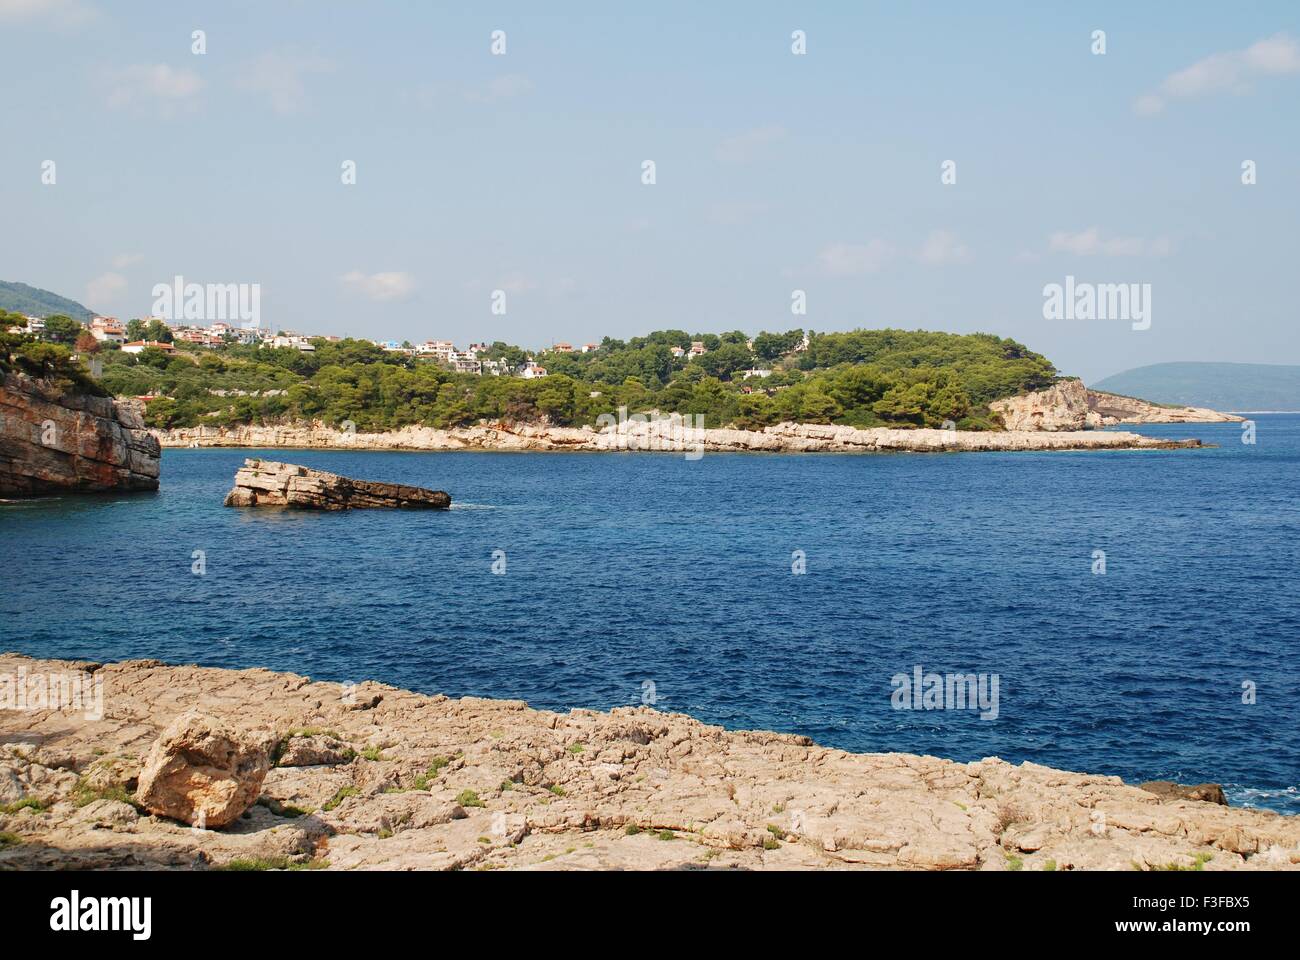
column 1113, row 408
column 53, row 442
column 1062, row 406
column 269, row 483
column 663, row 437
column 465, row 784
column 1168, row 790
column 314, row 751
column 203, row 771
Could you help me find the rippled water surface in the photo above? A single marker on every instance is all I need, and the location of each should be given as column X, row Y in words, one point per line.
column 627, row 568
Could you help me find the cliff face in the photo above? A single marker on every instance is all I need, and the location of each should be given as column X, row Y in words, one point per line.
column 1062, row 406
column 1069, row 405
column 369, row 776
column 58, row 443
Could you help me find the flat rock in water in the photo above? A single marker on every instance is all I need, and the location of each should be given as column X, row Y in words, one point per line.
column 266, row 483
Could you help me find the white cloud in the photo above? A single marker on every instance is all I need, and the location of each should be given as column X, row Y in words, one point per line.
column 851, row 260
column 1091, row 243
column 61, row 13
column 943, row 246
column 1230, row 72
column 157, row 85
column 123, row 260
column 742, row 147
column 280, row 77
column 105, row 290
column 517, row 283
column 392, row 285
column 501, row 88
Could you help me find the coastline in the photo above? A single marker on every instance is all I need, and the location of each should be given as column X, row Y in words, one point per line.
column 664, row 436
column 372, row 776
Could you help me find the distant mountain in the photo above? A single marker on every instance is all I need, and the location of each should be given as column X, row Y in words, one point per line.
column 1219, row 386
column 34, row 302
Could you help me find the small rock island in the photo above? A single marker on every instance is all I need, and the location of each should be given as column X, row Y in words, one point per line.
column 267, row 483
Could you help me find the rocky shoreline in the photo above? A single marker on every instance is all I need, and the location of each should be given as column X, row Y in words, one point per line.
column 373, row 777
column 663, row 436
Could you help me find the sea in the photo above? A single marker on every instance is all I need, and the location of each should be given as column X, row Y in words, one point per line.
column 1137, row 613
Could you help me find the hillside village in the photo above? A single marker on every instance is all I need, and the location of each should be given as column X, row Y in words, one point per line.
column 135, row 336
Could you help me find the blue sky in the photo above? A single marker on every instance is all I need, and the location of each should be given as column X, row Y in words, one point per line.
column 775, row 172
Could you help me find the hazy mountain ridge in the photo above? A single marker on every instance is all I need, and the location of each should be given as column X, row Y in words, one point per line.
column 33, row 301
column 1219, row 386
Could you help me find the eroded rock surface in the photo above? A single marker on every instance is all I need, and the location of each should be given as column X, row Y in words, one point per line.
column 267, row 483
column 436, row 783
column 53, row 442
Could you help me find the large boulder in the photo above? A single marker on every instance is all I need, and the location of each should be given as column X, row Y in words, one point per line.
column 203, row 772
column 267, row 483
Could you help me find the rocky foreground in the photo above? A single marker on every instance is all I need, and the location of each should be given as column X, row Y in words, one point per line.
column 368, row 776
column 55, row 442
column 268, row 483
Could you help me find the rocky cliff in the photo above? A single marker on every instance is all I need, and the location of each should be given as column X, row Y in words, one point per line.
column 55, row 442
column 1069, row 405
column 369, row 776
column 664, row 436
column 266, row 483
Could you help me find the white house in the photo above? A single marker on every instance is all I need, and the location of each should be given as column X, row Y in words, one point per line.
column 532, row 371
column 107, row 330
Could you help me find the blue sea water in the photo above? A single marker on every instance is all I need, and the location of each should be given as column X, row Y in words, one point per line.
column 627, row 568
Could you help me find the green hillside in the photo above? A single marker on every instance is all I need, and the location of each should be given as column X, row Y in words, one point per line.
column 35, row 302
column 1220, row 386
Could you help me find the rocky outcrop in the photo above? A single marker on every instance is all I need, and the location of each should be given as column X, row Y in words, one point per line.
column 1113, row 408
column 663, row 436
column 1207, row 792
column 267, row 483
column 1062, row 406
column 1069, row 405
column 203, row 771
column 53, row 442
column 433, row 783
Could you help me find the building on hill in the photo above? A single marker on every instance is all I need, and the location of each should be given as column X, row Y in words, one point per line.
column 108, row 330
column 438, row 349
column 697, row 348
column 531, row 371
column 590, row 347
column 139, row 346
